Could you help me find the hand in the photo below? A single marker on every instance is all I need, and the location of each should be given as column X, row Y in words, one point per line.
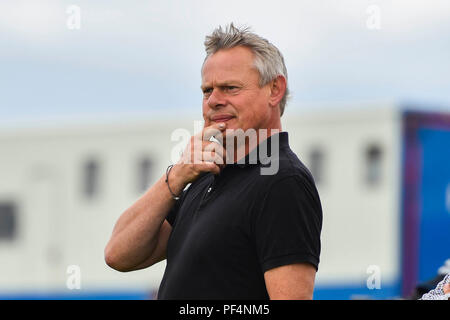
column 447, row 288
column 201, row 155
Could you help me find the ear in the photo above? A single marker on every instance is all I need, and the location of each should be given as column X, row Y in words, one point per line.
column 277, row 90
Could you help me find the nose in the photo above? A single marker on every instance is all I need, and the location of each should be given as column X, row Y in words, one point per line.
column 216, row 99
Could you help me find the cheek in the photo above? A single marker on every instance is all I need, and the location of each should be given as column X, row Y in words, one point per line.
column 205, row 110
column 205, row 106
column 248, row 115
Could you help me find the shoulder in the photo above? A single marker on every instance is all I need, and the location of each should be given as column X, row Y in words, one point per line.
column 290, row 187
column 284, row 168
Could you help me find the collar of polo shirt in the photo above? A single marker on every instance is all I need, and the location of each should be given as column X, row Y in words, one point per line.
column 266, row 157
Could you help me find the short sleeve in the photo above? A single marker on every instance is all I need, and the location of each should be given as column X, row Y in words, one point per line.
column 288, row 224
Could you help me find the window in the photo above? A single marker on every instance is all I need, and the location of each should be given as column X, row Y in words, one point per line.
column 91, row 178
column 144, row 170
column 8, row 221
column 373, row 165
column 316, row 162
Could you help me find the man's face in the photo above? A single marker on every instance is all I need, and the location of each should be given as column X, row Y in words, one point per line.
column 231, row 92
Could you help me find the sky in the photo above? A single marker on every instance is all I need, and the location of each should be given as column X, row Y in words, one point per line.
column 143, row 58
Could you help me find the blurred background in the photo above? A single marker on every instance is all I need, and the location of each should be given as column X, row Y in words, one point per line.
column 91, row 93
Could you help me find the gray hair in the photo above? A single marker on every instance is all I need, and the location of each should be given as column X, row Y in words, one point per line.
column 268, row 59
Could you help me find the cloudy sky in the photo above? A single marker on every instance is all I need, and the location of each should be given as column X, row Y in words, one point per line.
column 143, row 57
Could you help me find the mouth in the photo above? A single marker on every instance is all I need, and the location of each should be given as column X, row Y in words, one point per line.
column 222, row 118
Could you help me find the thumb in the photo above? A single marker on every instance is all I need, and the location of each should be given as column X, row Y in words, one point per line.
column 214, row 130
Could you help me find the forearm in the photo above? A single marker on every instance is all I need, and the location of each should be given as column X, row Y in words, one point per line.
column 135, row 234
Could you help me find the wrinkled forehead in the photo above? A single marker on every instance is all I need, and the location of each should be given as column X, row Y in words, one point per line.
column 234, row 62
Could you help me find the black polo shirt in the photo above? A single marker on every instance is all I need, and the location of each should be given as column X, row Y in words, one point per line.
column 228, row 229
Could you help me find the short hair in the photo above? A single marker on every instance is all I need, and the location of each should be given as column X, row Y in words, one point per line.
column 269, row 61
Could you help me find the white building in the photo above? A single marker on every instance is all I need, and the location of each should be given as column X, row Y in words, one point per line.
column 62, row 190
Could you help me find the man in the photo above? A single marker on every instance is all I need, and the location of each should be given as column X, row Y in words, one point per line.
column 234, row 233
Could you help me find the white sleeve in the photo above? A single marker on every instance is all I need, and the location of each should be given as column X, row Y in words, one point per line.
column 438, row 292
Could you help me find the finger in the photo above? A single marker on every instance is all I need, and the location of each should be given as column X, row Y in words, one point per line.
column 218, row 149
column 218, row 138
column 205, row 147
column 209, row 167
column 212, row 157
column 210, row 131
column 214, row 147
column 214, row 130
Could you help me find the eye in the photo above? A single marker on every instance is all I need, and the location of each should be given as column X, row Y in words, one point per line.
column 231, row 88
column 207, row 91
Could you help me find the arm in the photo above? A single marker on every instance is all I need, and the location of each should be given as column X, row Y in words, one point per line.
column 291, row 282
column 139, row 238
column 287, row 235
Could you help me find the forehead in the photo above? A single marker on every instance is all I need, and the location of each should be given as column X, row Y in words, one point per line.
column 228, row 64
